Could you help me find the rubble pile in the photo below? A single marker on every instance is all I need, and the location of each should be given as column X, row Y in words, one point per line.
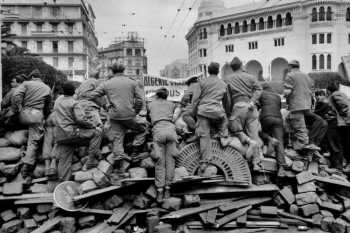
column 120, row 196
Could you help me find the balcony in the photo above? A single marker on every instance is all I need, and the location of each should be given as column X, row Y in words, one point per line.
column 257, row 32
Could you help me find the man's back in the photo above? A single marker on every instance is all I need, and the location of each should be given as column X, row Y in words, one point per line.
column 64, row 113
column 161, row 109
column 85, row 87
column 33, row 94
column 270, row 104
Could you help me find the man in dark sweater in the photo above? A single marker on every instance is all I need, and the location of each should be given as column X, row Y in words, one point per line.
column 272, row 121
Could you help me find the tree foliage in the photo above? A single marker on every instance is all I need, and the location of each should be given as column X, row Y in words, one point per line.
column 322, row 80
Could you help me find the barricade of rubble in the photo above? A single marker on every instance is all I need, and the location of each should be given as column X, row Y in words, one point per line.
column 122, row 198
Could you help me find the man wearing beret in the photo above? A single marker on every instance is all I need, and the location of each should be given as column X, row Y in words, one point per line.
column 207, row 104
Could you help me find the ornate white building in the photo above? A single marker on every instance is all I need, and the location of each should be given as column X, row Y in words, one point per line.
column 268, row 33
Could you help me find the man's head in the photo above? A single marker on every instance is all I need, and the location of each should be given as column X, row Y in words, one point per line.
column 332, row 87
column 116, row 68
column 34, row 74
column 214, row 68
column 162, row 93
column 320, row 95
column 236, row 64
column 68, row 88
column 191, row 80
column 293, row 64
column 16, row 81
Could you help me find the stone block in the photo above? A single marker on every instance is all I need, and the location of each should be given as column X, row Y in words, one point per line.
column 113, row 202
column 141, row 201
column 304, row 177
column 43, row 208
column 326, row 213
column 317, row 218
column 12, row 227
column 268, row 210
column 82, row 176
column 39, row 188
column 23, row 212
column 105, row 167
column 39, row 171
column 346, row 204
column 88, row 186
column 306, row 198
column 346, row 215
column 87, row 221
column 268, row 164
column 287, row 194
column 7, row 215
column 39, row 218
column 172, row 203
column 298, row 166
column 100, row 178
column 310, row 209
column 77, row 166
column 339, row 226
column 326, row 223
column 68, row 225
column 331, row 206
column 105, row 150
column 163, row 228
column 13, row 188
column 137, row 172
column 307, row 187
column 278, row 200
column 30, row 224
column 180, row 172
column 152, row 192
column 191, row 200
column 210, row 171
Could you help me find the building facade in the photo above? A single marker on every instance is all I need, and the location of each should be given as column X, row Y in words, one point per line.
column 268, row 33
column 177, row 69
column 130, row 51
column 61, row 32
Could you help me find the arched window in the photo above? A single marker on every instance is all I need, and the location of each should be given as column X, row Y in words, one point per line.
column 279, row 21
column 270, row 22
column 261, row 23
column 237, row 29
column 314, row 62
column 321, row 16
column 200, row 34
column 329, row 62
column 205, row 33
column 321, row 62
column 314, row 15
column 348, row 14
column 329, row 14
column 245, row 26
column 222, row 30
column 289, row 19
column 252, row 25
column 229, row 29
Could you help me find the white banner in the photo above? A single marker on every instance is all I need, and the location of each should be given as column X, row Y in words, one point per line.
column 176, row 87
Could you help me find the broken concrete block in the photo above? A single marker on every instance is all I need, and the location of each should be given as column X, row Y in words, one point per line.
column 87, row 221
column 339, row 226
column 30, row 224
column 210, row 171
column 113, row 202
column 68, row 225
column 10, row 154
column 77, row 166
column 12, row 226
column 287, row 194
column 172, row 203
column 100, row 178
column 163, row 228
column 105, row 150
column 88, row 186
column 268, row 210
column 82, row 176
column 326, row 213
column 306, row 198
column 294, row 209
column 39, row 171
column 331, row 206
column 191, row 200
column 39, row 188
column 326, row 223
column 298, row 166
column 152, row 192
column 268, row 164
column 310, row 209
column 7, row 215
column 180, row 172
column 10, row 170
column 43, row 208
column 137, row 172
column 39, row 218
column 141, row 201
column 105, row 167
column 13, row 188
column 23, row 213
column 307, row 187
column 317, row 218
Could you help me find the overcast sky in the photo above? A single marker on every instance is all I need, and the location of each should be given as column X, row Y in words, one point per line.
column 147, row 17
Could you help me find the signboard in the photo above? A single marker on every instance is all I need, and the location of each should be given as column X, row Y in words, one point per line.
column 176, row 87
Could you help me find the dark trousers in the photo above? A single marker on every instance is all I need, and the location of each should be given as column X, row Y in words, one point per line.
column 344, row 132
column 317, row 127
column 273, row 126
column 335, row 147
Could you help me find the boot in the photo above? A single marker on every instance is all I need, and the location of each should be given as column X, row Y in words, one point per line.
column 160, row 195
column 53, row 169
column 27, row 171
column 167, row 193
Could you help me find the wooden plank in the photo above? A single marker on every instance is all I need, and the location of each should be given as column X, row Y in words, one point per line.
column 96, row 211
column 103, row 227
column 48, row 225
column 242, row 220
column 96, row 192
column 228, row 190
column 230, row 217
column 203, row 217
column 34, row 201
column 305, row 177
column 292, row 216
column 136, row 180
column 256, row 224
column 25, row 196
column 245, row 202
column 39, row 180
column 190, row 211
column 211, row 216
column 118, row 215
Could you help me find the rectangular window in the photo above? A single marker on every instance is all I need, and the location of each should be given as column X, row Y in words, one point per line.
column 55, row 11
column 129, row 62
column 70, row 27
column 321, row 39
column 282, row 41
column 24, row 44
column 204, row 52
column 279, row 42
column 253, row 45
column 329, row 38
column 55, row 62
column 70, row 46
column 70, row 62
column 24, row 28
column 137, row 72
column 39, row 46
column 230, row 48
column 55, row 46
column 200, row 53
column 54, row 27
column 314, row 38
column 39, row 27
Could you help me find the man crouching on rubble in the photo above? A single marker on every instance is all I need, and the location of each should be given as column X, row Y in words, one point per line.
column 161, row 112
column 73, row 130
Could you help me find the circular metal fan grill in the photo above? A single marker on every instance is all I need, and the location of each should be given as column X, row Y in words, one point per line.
column 232, row 164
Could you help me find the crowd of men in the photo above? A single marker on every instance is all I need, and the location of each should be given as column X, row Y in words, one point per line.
column 212, row 108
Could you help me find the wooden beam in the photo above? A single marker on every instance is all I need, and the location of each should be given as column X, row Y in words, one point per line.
column 96, row 192
column 230, row 217
column 245, row 202
column 48, row 225
column 118, row 215
column 34, row 201
column 190, row 211
column 25, row 196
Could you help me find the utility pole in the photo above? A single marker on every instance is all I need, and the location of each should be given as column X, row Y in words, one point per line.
column 0, row 54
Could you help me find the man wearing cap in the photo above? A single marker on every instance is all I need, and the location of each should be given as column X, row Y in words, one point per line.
column 161, row 112
column 125, row 102
column 244, row 91
column 32, row 101
column 298, row 92
column 207, row 104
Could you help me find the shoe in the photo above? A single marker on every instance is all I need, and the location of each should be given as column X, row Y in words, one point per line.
column 160, row 195
column 167, row 193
